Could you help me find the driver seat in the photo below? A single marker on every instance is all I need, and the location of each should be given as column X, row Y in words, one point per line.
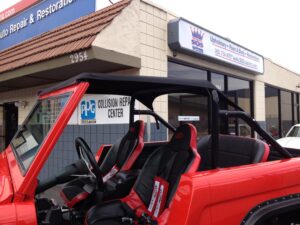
column 152, row 194
column 120, row 157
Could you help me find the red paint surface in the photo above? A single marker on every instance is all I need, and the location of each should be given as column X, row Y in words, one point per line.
column 22, row 213
column 75, row 200
column 24, row 186
column 6, row 191
column 225, row 196
column 17, row 191
column 221, row 196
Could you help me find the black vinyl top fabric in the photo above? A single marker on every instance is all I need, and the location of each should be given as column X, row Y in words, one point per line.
column 144, row 88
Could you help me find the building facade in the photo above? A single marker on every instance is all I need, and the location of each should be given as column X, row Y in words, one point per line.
column 137, row 38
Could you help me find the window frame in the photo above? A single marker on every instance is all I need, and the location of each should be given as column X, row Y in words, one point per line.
column 295, row 118
column 226, row 76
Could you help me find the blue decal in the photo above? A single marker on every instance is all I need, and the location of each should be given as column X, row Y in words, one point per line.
column 88, row 111
column 41, row 18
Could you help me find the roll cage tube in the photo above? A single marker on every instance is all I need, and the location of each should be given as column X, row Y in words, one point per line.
column 253, row 124
column 156, row 116
column 215, row 132
column 214, row 109
column 133, row 112
column 155, row 92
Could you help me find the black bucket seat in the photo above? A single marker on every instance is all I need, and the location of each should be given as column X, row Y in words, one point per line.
column 120, row 157
column 156, row 185
column 233, row 151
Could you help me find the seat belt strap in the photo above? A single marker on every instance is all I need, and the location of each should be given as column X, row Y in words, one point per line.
column 114, row 170
column 158, row 198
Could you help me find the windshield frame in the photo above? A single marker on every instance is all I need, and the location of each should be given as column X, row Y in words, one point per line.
column 26, row 185
column 32, row 111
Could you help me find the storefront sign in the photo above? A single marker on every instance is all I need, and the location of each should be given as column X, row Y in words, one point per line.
column 104, row 109
column 15, row 7
column 41, row 18
column 186, row 37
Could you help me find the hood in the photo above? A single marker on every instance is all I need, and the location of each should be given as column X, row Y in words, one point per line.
column 290, row 142
column 6, row 191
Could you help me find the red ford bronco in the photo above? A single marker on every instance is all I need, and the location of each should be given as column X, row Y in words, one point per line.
column 190, row 179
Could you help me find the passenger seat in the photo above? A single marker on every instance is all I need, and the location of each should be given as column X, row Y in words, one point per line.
column 233, row 151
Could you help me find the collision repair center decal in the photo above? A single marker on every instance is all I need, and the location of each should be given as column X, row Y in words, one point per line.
column 103, row 109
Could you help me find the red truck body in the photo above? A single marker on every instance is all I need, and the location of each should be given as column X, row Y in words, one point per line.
column 227, row 196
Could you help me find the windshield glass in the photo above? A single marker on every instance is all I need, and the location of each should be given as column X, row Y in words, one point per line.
column 32, row 133
column 295, row 132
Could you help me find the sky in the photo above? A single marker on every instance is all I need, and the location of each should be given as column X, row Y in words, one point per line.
column 268, row 27
column 4, row 4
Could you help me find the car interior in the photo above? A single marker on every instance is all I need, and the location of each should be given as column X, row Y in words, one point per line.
column 118, row 160
column 132, row 182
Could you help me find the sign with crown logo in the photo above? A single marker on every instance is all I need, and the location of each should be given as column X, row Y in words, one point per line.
column 197, row 39
column 188, row 38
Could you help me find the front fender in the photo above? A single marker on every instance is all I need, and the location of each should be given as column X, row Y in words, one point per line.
column 18, row 214
column 186, row 202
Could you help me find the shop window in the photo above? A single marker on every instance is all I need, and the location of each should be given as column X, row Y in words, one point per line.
column 186, row 72
column 239, row 91
column 188, row 108
column 218, row 80
column 286, row 112
column 298, row 108
column 272, row 112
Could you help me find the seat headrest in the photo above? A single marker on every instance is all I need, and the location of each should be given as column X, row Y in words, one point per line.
column 137, row 129
column 183, row 136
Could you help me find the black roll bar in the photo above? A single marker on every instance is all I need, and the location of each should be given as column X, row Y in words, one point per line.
column 131, row 111
column 134, row 111
column 215, row 131
column 156, row 116
column 253, row 124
